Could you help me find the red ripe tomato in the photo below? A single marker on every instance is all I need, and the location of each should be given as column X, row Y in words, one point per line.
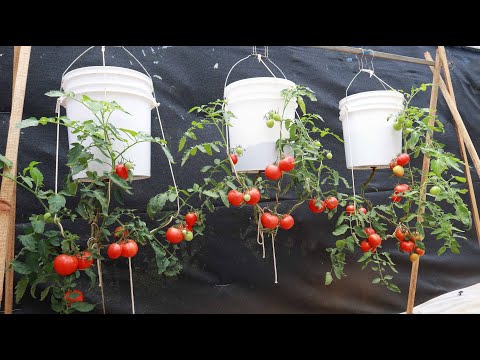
column 415, row 236
column 191, row 219
column 316, row 209
column 65, row 264
column 362, row 209
column 373, row 249
column 85, row 260
column 407, row 246
column 117, row 233
column 188, row 228
column 71, row 300
column 129, row 248
column 393, row 164
column 287, row 163
column 365, row 246
column 350, row 209
column 273, row 172
column 419, row 251
column 114, row 251
column 174, row 235
column 374, row 240
column 401, row 188
column 235, row 197
column 234, row 158
column 396, row 198
column 254, row 196
column 369, row 231
column 403, row 159
column 121, row 171
column 401, row 234
column 331, row 202
column 287, row 222
column 269, row 221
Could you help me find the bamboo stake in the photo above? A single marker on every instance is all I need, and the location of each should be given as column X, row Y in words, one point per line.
column 9, row 277
column 463, row 151
column 459, row 122
column 425, row 168
column 7, row 191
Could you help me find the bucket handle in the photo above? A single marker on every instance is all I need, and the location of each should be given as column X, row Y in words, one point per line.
column 260, row 60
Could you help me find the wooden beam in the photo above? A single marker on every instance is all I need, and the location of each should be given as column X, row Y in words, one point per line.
column 377, row 54
column 463, row 151
column 459, row 122
column 9, row 276
column 425, row 169
column 7, row 190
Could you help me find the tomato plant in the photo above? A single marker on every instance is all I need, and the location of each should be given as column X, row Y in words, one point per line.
column 405, row 220
column 51, row 255
column 302, row 172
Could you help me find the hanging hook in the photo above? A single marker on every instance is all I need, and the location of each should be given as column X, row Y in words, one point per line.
column 258, row 54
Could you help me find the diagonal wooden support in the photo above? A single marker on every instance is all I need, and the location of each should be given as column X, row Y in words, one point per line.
column 458, row 121
column 425, row 169
column 463, row 151
column 7, row 190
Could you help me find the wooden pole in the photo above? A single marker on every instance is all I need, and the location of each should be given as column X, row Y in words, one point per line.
column 459, row 122
column 425, row 169
column 377, row 54
column 9, row 276
column 463, row 151
column 7, row 190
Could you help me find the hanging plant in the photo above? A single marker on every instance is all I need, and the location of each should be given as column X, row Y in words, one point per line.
column 55, row 257
column 301, row 167
column 422, row 203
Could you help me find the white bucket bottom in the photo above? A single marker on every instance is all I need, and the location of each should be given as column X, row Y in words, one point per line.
column 367, row 122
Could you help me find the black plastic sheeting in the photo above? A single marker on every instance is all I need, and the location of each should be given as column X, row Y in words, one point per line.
column 225, row 272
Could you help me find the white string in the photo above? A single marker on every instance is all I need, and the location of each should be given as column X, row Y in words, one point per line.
column 100, row 281
column 131, row 284
column 274, row 259
column 260, row 235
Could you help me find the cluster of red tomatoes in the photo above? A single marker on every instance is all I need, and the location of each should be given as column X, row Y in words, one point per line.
column 271, row 221
column 372, row 242
column 250, row 197
column 329, row 203
column 407, row 243
column 178, row 233
column 274, row 172
column 125, row 247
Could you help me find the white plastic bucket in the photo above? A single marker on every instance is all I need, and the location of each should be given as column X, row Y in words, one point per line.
column 369, row 117
column 249, row 100
column 132, row 90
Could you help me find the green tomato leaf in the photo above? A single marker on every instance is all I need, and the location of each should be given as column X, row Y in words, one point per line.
column 56, row 203
column 341, row 230
column 82, row 306
column 5, row 161
column 181, row 144
column 20, row 288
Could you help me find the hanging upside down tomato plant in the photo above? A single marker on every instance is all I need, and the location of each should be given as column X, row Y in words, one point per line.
column 301, row 167
column 55, row 257
column 422, row 204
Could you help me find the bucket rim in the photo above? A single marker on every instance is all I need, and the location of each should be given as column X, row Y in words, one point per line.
column 261, row 79
column 366, row 94
column 86, row 70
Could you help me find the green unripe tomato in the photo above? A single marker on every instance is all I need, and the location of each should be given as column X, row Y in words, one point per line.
column 275, row 117
column 329, row 156
column 397, row 126
column 247, row 197
column 129, row 165
column 435, row 190
column 239, row 150
column 270, row 123
column 184, row 231
column 317, row 143
column 188, row 236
